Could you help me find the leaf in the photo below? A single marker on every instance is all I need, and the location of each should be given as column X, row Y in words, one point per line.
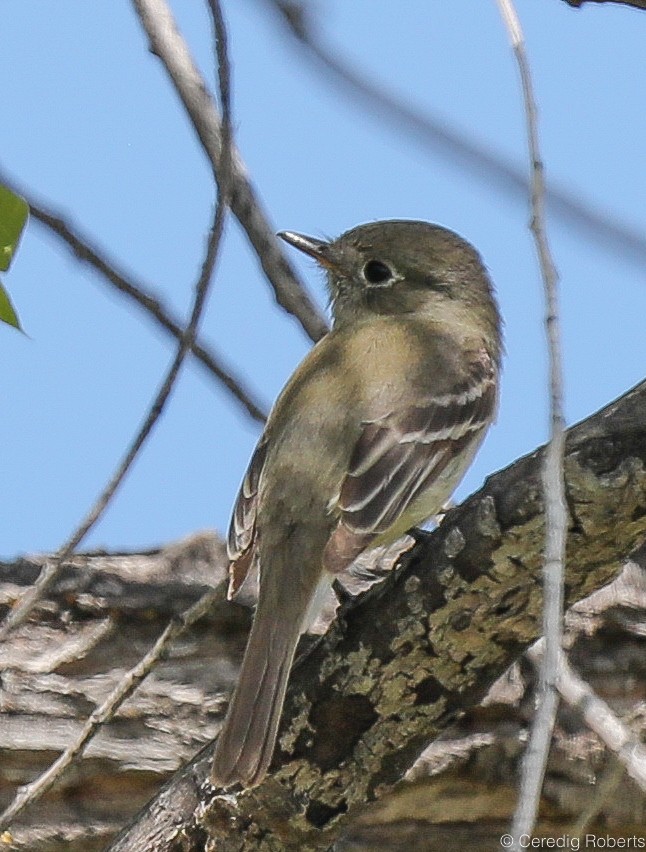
column 7, row 313
column 14, row 212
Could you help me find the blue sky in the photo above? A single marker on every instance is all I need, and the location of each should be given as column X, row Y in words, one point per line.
column 92, row 127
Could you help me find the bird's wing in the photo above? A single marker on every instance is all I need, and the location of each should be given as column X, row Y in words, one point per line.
column 242, row 529
column 400, row 456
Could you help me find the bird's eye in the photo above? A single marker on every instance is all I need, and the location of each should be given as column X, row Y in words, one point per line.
column 376, row 272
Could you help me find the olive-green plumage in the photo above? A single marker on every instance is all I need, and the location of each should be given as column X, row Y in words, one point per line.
column 368, row 438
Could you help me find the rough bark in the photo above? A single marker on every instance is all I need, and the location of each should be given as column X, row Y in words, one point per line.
column 402, row 664
column 396, row 670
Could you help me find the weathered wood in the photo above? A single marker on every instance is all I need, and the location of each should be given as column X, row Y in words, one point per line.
column 99, row 618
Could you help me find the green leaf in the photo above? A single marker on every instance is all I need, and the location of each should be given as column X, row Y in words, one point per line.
column 13, row 217
column 7, row 313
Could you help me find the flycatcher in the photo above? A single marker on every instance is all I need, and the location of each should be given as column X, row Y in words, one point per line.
column 369, row 437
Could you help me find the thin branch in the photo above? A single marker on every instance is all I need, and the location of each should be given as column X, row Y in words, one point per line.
column 31, row 792
column 21, row 610
column 433, row 133
column 636, row 4
column 598, row 716
column 605, row 791
column 19, row 613
column 167, row 43
column 83, row 249
column 553, row 473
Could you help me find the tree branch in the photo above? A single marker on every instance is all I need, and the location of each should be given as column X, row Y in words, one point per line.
column 397, row 668
column 636, row 4
column 556, row 518
column 167, row 43
column 631, row 754
column 23, row 607
column 84, row 250
column 32, row 792
column 434, row 134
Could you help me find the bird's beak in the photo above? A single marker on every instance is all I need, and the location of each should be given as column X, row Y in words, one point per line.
column 320, row 250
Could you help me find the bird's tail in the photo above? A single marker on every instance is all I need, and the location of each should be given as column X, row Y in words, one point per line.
column 246, row 742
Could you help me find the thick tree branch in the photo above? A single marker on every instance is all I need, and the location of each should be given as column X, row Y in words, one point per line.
column 420, row 647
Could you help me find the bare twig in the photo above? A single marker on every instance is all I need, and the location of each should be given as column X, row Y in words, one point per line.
column 553, row 474
column 598, row 716
column 24, row 606
column 124, row 689
column 483, row 163
column 21, row 610
column 167, row 43
column 605, row 790
column 31, row 792
column 83, row 249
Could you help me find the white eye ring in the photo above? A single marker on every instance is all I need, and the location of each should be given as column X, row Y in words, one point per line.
column 376, row 272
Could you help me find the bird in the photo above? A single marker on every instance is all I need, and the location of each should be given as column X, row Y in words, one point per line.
column 368, row 438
